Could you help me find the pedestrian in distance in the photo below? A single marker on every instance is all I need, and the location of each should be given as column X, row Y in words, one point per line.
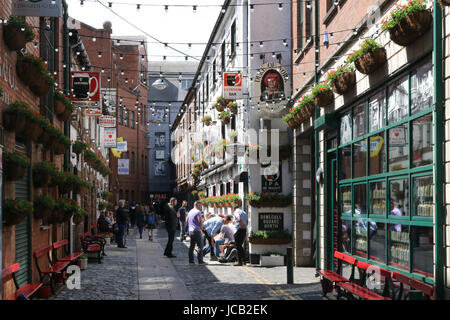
column 140, row 219
column 182, row 219
column 133, row 214
column 195, row 222
column 151, row 222
column 240, row 219
column 122, row 222
column 171, row 225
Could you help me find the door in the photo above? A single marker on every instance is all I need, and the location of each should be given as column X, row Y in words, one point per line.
column 23, row 229
column 332, row 211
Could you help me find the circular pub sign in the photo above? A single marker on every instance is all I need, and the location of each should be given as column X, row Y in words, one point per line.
column 272, row 87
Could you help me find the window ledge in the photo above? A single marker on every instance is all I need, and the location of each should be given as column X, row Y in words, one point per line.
column 330, row 14
column 308, row 46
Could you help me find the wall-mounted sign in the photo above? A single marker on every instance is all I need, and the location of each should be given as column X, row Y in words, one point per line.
column 160, row 168
column 232, row 85
column 272, row 86
column 93, row 112
column 37, row 8
column 270, row 221
column 160, row 139
column 107, row 121
column 397, row 137
column 121, row 146
column 109, row 137
column 85, row 88
column 271, row 178
column 159, row 154
column 123, row 167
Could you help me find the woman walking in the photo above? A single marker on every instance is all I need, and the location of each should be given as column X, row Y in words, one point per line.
column 140, row 219
column 151, row 222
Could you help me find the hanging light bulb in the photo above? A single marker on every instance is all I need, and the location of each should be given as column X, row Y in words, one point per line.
column 261, row 44
column 280, row 6
column 81, row 3
column 166, row 8
column 121, row 56
column 94, row 39
column 252, row 8
column 194, row 9
column 110, row 4
column 138, row 7
column 99, row 54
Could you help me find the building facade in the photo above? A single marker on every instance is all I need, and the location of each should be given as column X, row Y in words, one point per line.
column 378, row 185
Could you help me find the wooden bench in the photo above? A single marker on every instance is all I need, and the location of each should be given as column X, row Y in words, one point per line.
column 329, row 278
column 56, row 269
column 93, row 245
column 72, row 258
column 27, row 290
column 418, row 290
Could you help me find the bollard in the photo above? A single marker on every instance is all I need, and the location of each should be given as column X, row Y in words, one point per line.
column 289, row 266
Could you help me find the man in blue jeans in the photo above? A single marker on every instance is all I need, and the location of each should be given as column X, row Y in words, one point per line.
column 195, row 222
column 226, row 233
column 240, row 218
column 122, row 222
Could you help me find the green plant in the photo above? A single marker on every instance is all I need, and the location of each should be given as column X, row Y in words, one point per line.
column 16, row 159
column 232, row 134
column 194, row 192
column 281, row 234
column 84, row 256
column 320, row 88
column 221, row 100
column 224, row 114
column 401, row 11
column 20, row 24
column 232, row 104
column 44, row 168
column 254, row 147
column 106, row 194
column 60, row 96
column 41, row 67
column 206, row 119
column 367, row 45
column 101, row 205
column 17, row 207
column 44, row 202
column 19, row 107
column 333, row 74
column 79, row 146
column 202, row 194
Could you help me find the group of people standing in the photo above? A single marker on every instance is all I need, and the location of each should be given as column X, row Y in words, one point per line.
column 227, row 231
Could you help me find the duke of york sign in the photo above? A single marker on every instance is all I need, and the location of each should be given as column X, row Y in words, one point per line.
column 272, row 87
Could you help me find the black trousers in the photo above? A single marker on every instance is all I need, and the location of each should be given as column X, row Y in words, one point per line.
column 239, row 239
column 171, row 237
column 211, row 247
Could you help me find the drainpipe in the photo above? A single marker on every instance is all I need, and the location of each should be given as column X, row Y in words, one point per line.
column 316, row 132
column 439, row 173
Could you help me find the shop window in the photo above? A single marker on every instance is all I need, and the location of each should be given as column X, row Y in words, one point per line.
column 132, row 120
column 377, row 158
column 377, row 111
column 345, row 162
column 359, row 158
column 346, row 236
column 398, row 197
column 422, row 250
column 346, row 129
column 422, row 88
column 398, row 148
column 423, row 196
column 360, row 195
column 120, row 115
column 308, row 19
column 399, row 246
column 126, row 119
column 378, row 198
column 422, row 141
column 359, row 120
column 398, row 100
column 377, row 243
column 360, row 238
column 346, row 200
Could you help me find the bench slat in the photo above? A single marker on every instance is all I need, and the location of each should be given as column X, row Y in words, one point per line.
column 360, row 291
column 413, row 283
column 10, row 270
column 332, row 276
column 27, row 289
column 71, row 257
column 42, row 251
column 60, row 244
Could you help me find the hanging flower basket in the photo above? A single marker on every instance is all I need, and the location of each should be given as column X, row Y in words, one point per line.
column 225, row 117
column 79, row 146
column 33, row 131
column 268, row 200
column 15, row 116
column 15, row 211
column 14, row 166
column 42, row 173
column 322, row 94
column 219, row 107
column 28, row 72
column 65, row 115
column 233, row 107
column 43, row 138
column 342, row 80
column 43, row 207
column 58, row 107
column 371, row 61
column 63, row 107
column 207, row 120
column 58, row 148
column 408, row 22
column 41, row 88
column 17, row 33
column 221, row 101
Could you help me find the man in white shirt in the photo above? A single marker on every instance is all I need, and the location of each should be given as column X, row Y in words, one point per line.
column 226, row 233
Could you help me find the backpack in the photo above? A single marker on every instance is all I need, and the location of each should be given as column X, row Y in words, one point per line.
column 151, row 219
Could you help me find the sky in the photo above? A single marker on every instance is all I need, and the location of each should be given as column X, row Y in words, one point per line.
column 179, row 24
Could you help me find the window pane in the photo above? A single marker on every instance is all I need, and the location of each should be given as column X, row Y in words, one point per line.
column 422, row 250
column 359, row 158
column 346, row 203
column 360, row 199
column 422, row 88
column 378, row 198
column 346, row 128
column 398, row 204
column 377, row 111
column 360, row 238
column 377, row 160
column 398, row 148
column 399, row 246
column 377, row 243
column 345, row 236
column 359, row 120
column 423, row 196
column 422, row 138
column 398, row 100
column 345, row 162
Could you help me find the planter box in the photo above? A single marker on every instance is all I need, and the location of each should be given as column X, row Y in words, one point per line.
column 108, row 241
column 268, row 241
column 83, row 264
column 271, row 261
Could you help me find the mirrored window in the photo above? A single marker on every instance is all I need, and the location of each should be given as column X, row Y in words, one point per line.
column 422, row 250
column 399, row 246
column 377, row 159
column 359, row 158
column 398, row 148
column 345, row 162
column 377, row 244
column 378, row 198
column 359, row 120
column 422, row 88
column 398, row 204
column 423, row 196
column 398, row 100
column 422, row 141
column 377, row 111
column 346, row 128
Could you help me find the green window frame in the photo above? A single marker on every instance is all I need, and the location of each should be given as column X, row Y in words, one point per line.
column 409, row 187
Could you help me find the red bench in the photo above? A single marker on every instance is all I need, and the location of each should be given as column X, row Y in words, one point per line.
column 56, row 269
column 28, row 290
column 329, row 278
column 72, row 258
column 93, row 245
column 417, row 289
column 385, row 277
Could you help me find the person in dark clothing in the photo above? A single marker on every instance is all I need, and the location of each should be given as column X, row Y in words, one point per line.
column 133, row 212
column 140, row 219
column 122, row 222
column 102, row 224
column 182, row 218
column 171, row 225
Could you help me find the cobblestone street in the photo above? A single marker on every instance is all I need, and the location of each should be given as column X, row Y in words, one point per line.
column 142, row 272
